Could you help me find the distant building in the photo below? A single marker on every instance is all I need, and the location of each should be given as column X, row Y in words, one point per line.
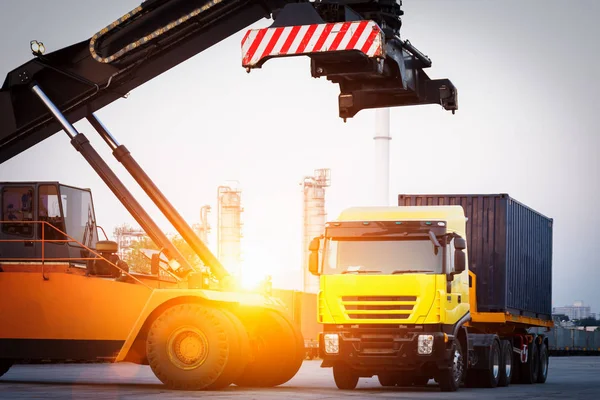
column 575, row 312
column 125, row 237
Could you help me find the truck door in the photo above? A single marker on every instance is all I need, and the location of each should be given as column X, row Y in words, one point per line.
column 17, row 231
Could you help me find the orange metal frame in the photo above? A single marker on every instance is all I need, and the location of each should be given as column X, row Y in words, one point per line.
column 43, row 259
column 497, row 317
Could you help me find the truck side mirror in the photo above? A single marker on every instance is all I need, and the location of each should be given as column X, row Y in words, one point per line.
column 313, row 258
column 460, row 261
column 460, row 243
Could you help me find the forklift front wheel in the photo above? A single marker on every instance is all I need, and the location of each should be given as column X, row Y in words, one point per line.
column 190, row 346
column 240, row 354
column 278, row 348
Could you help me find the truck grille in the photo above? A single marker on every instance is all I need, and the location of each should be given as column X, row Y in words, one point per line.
column 379, row 307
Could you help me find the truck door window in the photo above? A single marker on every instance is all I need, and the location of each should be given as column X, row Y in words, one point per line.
column 17, row 205
column 49, row 211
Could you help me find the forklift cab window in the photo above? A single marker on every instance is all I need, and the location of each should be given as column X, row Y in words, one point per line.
column 17, row 205
column 79, row 216
column 49, row 210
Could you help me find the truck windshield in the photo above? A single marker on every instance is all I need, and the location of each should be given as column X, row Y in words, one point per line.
column 381, row 256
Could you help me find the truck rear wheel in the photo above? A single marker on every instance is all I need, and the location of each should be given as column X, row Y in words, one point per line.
column 279, row 352
column 506, row 366
column 5, row 366
column 344, row 376
column 529, row 370
column 190, row 346
column 450, row 378
column 544, row 357
column 491, row 375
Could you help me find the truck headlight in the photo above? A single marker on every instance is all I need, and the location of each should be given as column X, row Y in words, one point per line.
column 332, row 343
column 425, row 344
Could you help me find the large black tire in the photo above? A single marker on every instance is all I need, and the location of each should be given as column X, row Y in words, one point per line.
column 5, row 366
column 529, row 370
column 544, row 357
column 278, row 348
column 240, row 355
column 506, row 363
column 344, row 376
column 450, row 378
column 190, row 346
column 491, row 375
column 404, row 379
column 387, row 379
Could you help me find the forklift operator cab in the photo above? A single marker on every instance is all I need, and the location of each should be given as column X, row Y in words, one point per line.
column 35, row 216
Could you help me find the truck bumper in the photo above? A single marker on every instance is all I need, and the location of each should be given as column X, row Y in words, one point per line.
column 374, row 349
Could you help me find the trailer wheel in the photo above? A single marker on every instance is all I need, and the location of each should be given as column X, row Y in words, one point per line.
column 5, row 366
column 529, row 370
column 544, row 356
column 506, row 366
column 240, row 354
column 344, row 376
column 451, row 378
column 190, row 346
column 279, row 352
column 387, row 379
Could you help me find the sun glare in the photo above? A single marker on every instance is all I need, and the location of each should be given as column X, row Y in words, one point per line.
column 251, row 280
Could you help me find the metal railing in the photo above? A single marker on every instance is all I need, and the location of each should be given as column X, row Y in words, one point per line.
column 44, row 241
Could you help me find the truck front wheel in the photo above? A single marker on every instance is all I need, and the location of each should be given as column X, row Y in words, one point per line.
column 450, row 378
column 344, row 376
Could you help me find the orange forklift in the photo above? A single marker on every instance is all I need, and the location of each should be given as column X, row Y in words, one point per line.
column 65, row 295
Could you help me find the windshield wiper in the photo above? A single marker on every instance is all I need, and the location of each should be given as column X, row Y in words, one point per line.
column 408, row 271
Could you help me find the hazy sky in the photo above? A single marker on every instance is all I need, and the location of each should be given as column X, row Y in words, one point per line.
column 527, row 125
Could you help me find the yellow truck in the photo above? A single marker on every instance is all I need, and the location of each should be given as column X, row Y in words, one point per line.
column 442, row 286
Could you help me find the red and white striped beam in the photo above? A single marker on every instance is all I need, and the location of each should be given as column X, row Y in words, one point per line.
column 364, row 36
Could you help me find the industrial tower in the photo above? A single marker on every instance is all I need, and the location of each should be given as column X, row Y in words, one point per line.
column 203, row 228
column 229, row 229
column 314, row 220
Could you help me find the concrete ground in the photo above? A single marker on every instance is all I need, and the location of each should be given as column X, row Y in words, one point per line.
column 569, row 377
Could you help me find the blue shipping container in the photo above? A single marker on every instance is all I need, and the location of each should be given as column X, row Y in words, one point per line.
column 509, row 248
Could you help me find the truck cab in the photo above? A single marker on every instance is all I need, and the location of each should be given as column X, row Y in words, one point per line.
column 394, row 294
column 46, row 221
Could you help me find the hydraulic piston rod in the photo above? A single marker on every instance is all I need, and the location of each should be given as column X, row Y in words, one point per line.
column 82, row 144
column 137, row 172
